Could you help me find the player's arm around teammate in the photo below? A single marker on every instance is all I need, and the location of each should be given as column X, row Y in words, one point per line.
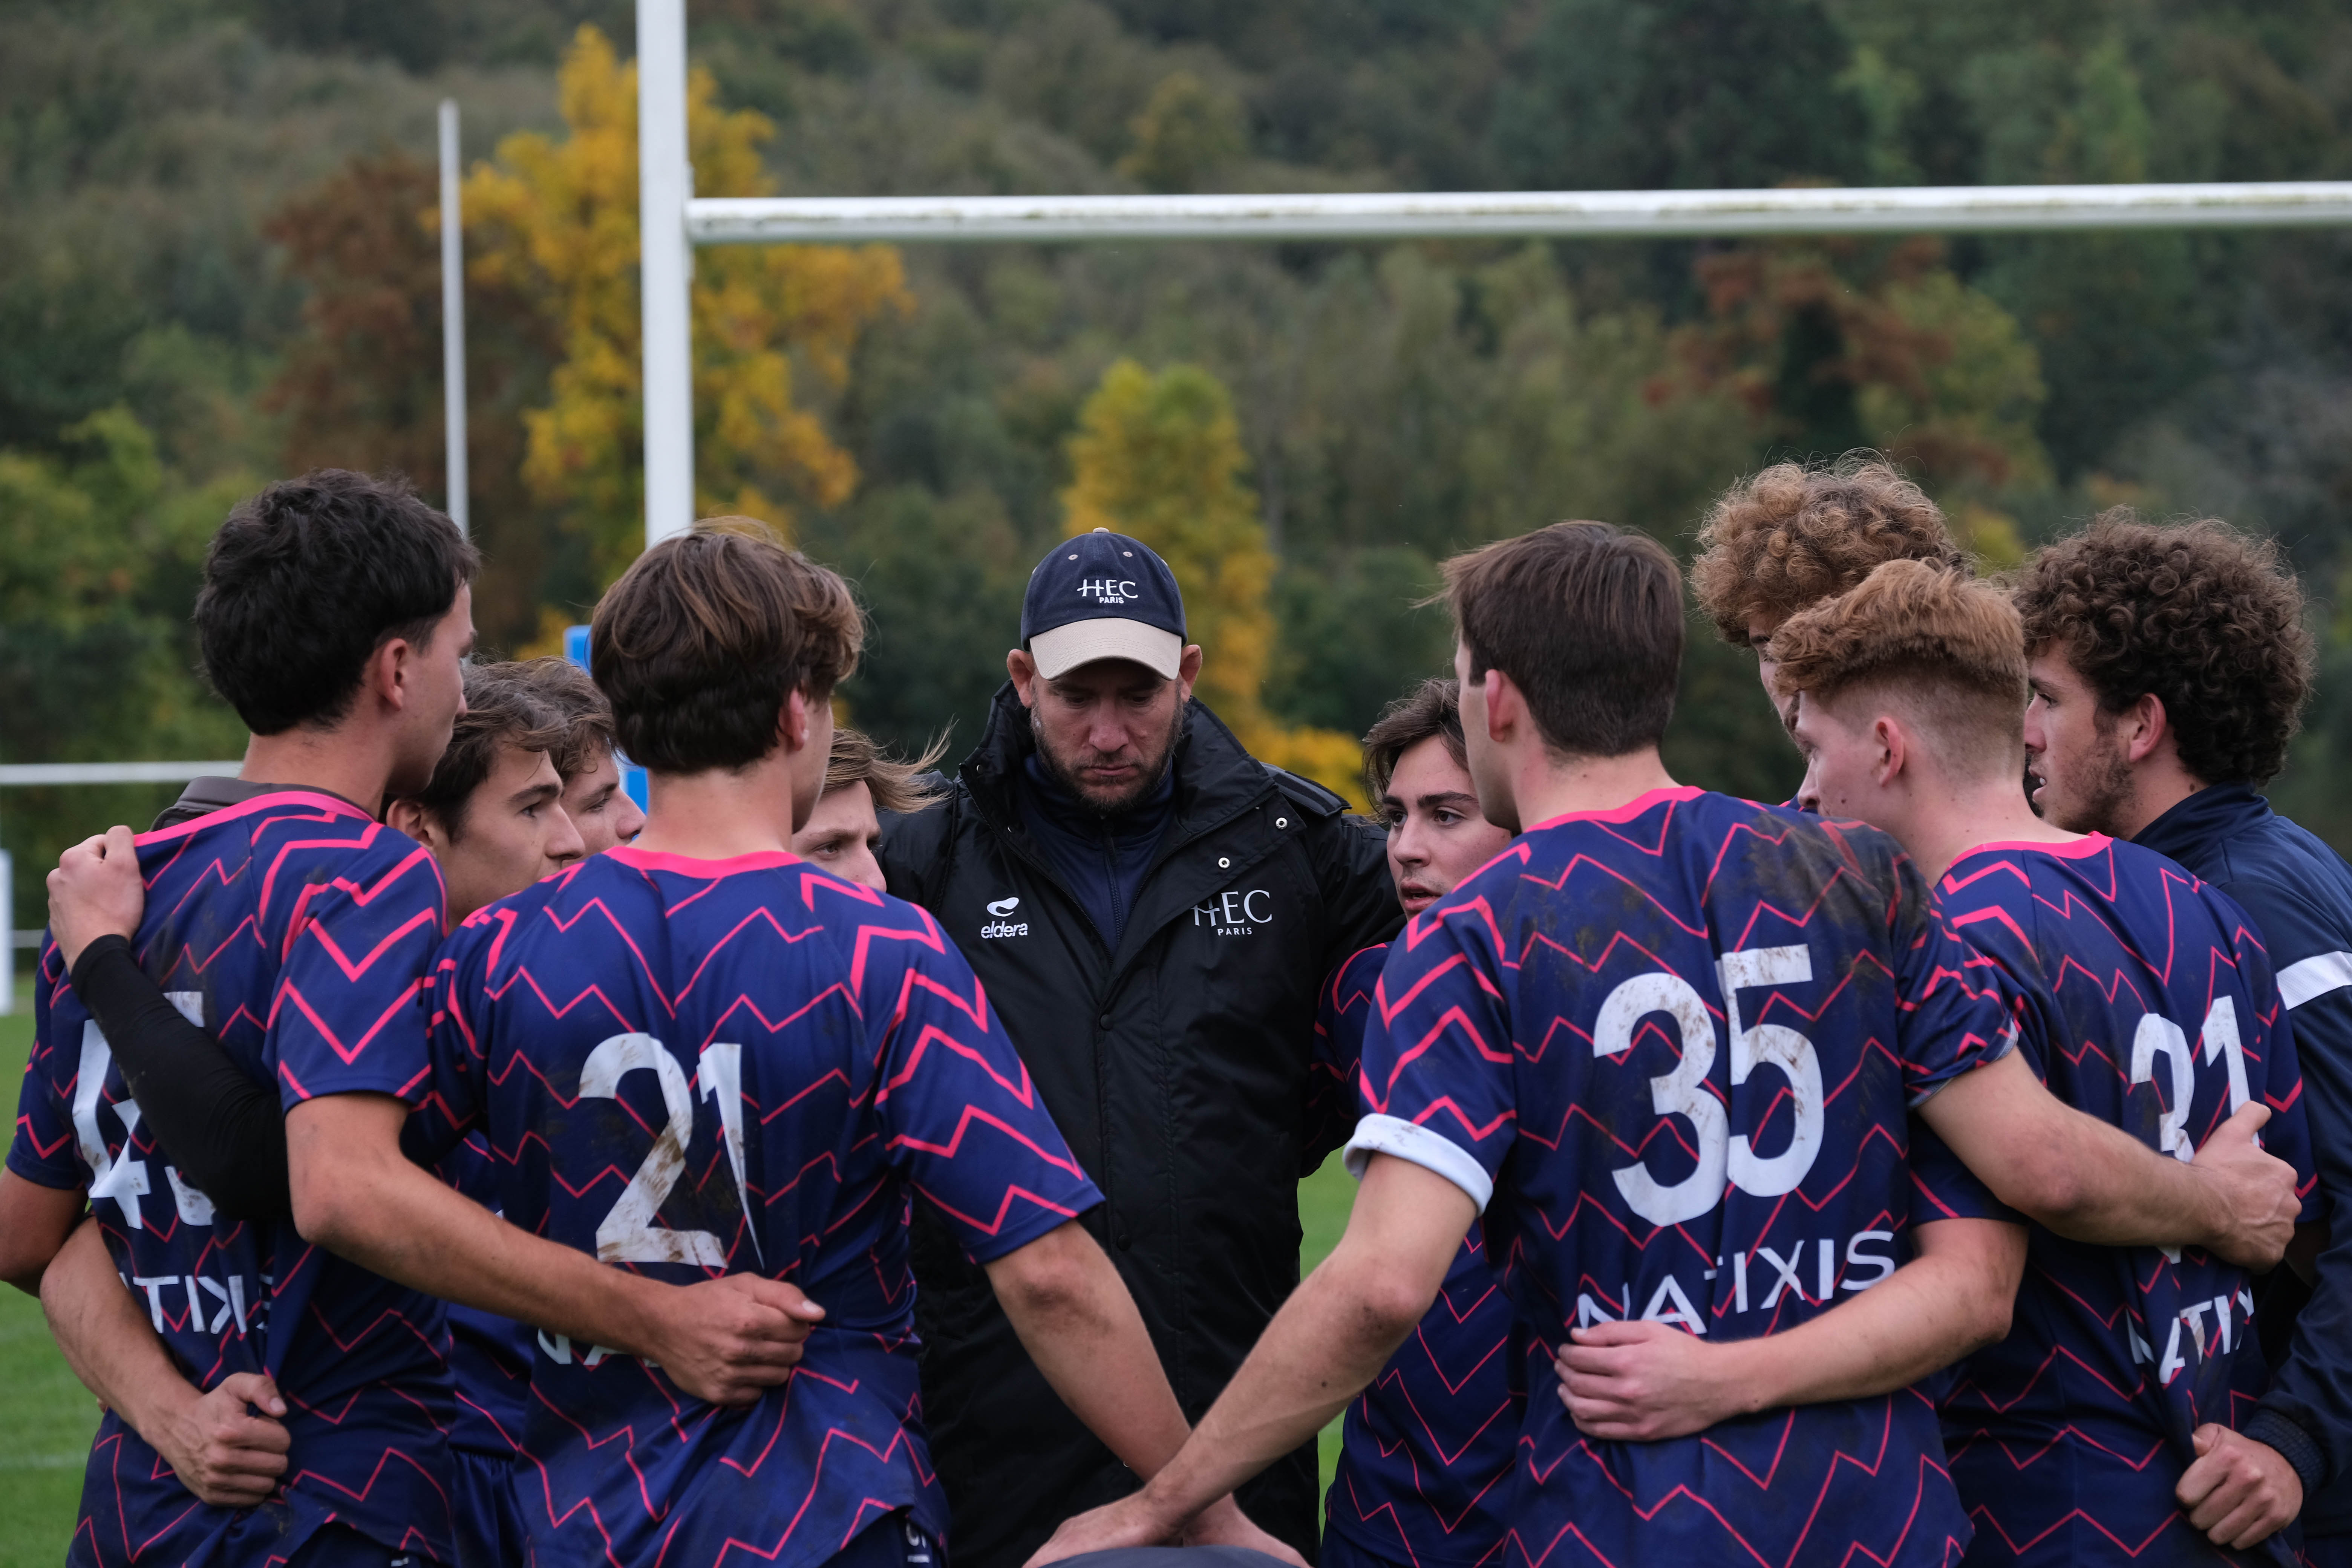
column 1888, row 767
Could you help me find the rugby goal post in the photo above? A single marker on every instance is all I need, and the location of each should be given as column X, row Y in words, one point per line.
column 674, row 221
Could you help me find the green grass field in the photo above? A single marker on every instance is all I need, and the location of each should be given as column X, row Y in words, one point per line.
column 46, row 1418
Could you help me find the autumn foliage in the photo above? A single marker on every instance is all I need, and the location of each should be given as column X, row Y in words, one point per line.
column 558, row 220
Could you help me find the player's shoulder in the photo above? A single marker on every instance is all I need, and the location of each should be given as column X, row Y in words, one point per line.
column 1359, row 972
column 297, row 851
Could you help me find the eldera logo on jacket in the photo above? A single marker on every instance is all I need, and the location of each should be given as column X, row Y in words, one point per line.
column 999, row 926
column 1236, row 913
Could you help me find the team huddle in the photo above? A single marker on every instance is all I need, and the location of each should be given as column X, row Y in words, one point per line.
column 427, row 1157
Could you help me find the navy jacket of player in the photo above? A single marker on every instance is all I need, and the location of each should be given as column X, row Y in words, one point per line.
column 2299, row 892
column 1179, row 1068
column 301, row 932
column 1425, row 1453
column 698, row 1067
column 2143, row 999
column 1669, row 1051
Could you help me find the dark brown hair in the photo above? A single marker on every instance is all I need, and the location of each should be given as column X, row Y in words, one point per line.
column 588, row 718
column 706, row 635
column 503, row 708
column 1433, row 708
column 2205, row 618
column 857, row 758
column 1587, row 620
column 1797, row 533
column 1950, row 646
column 306, row 580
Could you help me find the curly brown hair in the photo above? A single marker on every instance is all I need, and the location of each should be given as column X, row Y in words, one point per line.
column 2206, row 619
column 1797, row 533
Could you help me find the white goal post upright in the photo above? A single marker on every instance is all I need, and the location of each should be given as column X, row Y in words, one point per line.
column 675, row 221
column 665, row 184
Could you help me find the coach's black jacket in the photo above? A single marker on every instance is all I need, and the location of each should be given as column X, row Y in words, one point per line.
column 1176, row 1067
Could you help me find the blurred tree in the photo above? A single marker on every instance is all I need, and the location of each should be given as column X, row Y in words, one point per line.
column 1185, row 134
column 360, row 387
column 1842, row 345
column 558, row 221
column 1649, row 94
column 1160, row 457
column 100, row 549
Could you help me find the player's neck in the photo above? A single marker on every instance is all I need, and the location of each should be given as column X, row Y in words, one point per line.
column 1545, row 786
column 719, row 815
column 354, row 760
column 1963, row 817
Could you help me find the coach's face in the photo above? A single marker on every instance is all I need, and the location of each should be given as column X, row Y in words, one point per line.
column 1436, row 836
column 2073, row 750
column 1106, row 730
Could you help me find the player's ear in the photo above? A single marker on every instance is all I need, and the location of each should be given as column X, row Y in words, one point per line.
column 1893, row 750
column 385, row 676
column 792, row 719
column 1503, row 705
column 1024, row 671
column 2144, row 725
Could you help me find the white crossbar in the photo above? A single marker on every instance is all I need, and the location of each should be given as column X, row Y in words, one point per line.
column 1595, row 214
column 112, row 772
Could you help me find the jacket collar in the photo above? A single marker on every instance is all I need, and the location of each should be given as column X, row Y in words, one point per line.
column 1214, row 777
column 2216, row 812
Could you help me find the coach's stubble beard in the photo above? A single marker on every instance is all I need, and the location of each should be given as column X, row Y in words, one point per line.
column 1095, row 801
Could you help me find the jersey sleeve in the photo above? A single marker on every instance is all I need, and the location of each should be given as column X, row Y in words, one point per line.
column 960, row 1116
column 1957, row 1009
column 1340, row 1013
column 1943, row 1187
column 1438, row 1075
column 455, row 1057
column 44, row 1151
column 348, row 1013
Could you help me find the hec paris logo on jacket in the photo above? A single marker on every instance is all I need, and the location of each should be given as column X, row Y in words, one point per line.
column 1235, row 913
column 999, row 926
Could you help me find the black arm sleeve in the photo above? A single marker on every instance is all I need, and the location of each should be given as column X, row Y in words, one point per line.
column 223, row 1130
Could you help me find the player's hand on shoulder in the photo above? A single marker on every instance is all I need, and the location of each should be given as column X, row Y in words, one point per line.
column 221, row 1450
column 96, row 891
column 2256, row 1190
column 1642, row 1383
column 2238, row 1491
column 1127, row 1522
column 728, row 1341
column 1223, row 1523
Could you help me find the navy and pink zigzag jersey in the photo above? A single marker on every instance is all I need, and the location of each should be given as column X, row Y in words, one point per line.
column 2144, row 998
column 1681, row 1040
column 692, row 1069
column 300, row 933
column 1426, row 1451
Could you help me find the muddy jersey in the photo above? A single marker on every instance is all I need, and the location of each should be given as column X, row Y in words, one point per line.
column 692, row 1069
column 1425, row 1452
column 300, row 933
column 2142, row 998
column 1671, row 1050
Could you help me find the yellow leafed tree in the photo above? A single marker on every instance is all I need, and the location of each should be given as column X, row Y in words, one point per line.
column 1160, row 457
column 559, row 219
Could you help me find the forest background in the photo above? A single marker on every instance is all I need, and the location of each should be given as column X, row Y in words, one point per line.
column 218, row 264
